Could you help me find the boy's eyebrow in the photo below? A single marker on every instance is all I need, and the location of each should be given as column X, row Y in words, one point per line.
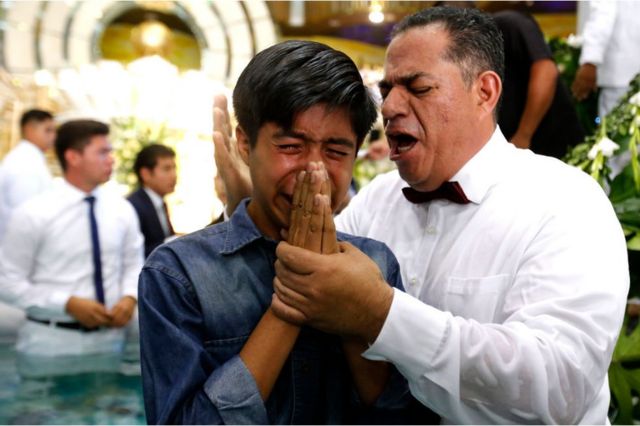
column 301, row 135
column 340, row 141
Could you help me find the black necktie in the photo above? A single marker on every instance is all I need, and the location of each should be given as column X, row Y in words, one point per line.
column 95, row 242
column 451, row 191
column 166, row 216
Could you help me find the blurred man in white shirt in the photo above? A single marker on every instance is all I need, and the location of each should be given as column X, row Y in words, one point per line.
column 71, row 256
column 609, row 59
column 24, row 172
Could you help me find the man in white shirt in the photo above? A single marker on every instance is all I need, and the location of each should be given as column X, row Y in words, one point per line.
column 71, row 256
column 609, row 58
column 515, row 264
column 155, row 167
column 24, row 172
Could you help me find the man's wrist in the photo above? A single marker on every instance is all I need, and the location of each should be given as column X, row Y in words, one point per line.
column 378, row 313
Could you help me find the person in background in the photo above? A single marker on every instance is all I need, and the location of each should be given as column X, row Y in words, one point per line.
column 301, row 106
column 71, row 258
column 155, row 167
column 537, row 111
column 515, row 264
column 609, row 58
column 24, row 172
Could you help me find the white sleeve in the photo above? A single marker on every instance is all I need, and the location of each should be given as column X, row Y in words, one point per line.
column 132, row 252
column 21, row 187
column 356, row 218
column 547, row 359
column 18, row 258
column 597, row 31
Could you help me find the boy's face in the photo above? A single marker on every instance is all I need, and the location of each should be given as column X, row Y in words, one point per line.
column 317, row 134
column 162, row 178
column 42, row 133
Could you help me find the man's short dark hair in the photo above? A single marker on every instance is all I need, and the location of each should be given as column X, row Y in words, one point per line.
column 35, row 115
column 291, row 77
column 148, row 158
column 77, row 134
column 476, row 43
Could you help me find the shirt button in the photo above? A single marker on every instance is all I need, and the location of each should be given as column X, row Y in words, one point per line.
column 413, row 281
column 431, row 230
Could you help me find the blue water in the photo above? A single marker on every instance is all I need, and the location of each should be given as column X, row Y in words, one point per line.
column 87, row 398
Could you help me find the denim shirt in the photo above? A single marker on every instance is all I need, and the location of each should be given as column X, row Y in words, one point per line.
column 201, row 296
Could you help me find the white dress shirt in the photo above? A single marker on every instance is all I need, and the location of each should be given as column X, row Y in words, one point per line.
column 514, row 301
column 158, row 205
column 46, row 255
column 611, row 40
column 23, row 174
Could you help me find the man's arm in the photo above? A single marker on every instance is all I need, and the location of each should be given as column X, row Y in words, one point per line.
column 545, row 362
column 21, row 187
column 182, row 382
column 132, row 261
column 540, row 92
column 17, row 262
column 597, row 32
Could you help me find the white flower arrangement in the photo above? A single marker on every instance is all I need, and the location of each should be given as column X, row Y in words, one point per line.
column 605, row 145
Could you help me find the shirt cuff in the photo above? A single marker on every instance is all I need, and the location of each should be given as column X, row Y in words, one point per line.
column 234, row 392
column 58, row 301
column 411, row 335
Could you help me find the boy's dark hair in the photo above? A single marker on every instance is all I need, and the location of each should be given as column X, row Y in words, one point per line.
column 148, row 158
column 37, row 115
column 77, row 134
column 476, row 42
column 291, row 77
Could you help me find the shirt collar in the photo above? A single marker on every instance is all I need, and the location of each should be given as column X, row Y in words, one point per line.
column 480, row 173
column 156, row 199
column 75, row 194
column 241, row 230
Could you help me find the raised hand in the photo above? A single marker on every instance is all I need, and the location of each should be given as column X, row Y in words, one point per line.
column 233, row 171
column 311, row 224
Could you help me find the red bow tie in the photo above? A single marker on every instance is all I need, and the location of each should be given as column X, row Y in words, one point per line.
column 451, row 191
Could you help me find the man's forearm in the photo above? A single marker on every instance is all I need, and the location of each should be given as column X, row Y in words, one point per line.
column 540, row 93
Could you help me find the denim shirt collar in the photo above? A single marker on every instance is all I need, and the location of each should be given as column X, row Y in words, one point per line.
column 241, row 230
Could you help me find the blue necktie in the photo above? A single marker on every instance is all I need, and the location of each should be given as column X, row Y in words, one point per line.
column 95, row 242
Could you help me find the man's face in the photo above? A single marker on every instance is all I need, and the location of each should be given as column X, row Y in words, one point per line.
column 41, row 133
column 95, row 162
column 428, row 111
column 162, row 178
column 316, row 134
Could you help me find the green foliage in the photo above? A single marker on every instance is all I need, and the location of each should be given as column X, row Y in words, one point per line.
column 365, row 170
column 624, row 376
column 622, row 127
column 128, row 136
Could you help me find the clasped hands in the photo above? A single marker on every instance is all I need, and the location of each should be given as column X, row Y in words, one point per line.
column 91, row 313
column 321, row 282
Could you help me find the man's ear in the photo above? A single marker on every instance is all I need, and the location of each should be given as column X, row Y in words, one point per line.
column 488, row 88
column 243, row 144
column 145, row 175
column 72, row 157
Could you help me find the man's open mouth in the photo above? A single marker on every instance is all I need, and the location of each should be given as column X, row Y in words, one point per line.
column 400, row 143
